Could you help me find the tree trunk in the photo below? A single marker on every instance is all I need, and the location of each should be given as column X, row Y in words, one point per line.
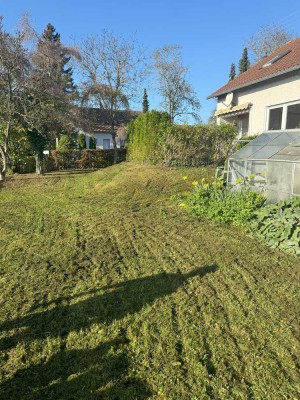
column 38, row 164
column 2, row 175
column 5, row 160
column 114, row 144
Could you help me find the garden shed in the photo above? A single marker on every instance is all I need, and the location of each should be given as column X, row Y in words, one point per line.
column 270, row 163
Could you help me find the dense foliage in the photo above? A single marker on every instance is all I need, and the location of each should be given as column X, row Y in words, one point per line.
column 153, row 140
column 92, row 143
column 146, row 136
column 217, row 203
column 198, row 144
column 81, row 141
column 86, row 158
column 279, row 225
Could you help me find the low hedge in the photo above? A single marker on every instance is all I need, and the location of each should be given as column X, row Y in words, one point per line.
column 86, row 158
column 71, row 159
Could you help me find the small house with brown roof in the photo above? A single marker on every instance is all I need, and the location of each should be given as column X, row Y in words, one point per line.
column 98, row 123
column 266, row 97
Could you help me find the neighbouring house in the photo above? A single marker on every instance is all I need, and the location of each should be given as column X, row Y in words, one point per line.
column 97, row 123
column 266, row 97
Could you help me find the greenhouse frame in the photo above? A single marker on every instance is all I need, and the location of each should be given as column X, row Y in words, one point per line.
column 269, row 163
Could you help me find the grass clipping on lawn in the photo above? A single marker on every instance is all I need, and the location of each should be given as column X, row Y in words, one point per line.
column 110, row 291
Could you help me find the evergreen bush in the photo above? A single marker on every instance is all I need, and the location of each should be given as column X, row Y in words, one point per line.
column 81, row 141
column 153, row 140
column 146, row 136
column 92, row 143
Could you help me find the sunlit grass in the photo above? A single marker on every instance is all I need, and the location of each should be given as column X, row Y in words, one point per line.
column 109, row 290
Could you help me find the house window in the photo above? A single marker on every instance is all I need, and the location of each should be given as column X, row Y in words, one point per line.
column 293, row 117
column 275, row 119
column 284, row 117
column 243, row 125
column 106, row 143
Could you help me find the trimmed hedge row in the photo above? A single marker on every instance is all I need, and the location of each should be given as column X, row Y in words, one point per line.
column 151, row 139
column 86, row 158
column 71, row 159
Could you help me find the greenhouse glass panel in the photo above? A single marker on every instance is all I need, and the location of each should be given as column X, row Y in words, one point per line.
column 237, row 168
column 284, row 157
column 279, row 176
column 246, row 152
column 264, row 138
column 256, row 173
column 288, row 153
column 286, row 138
column 256, row 167
column 266, row 152
column 296, row 188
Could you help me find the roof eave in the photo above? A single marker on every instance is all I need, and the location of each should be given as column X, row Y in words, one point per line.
column 254, row 82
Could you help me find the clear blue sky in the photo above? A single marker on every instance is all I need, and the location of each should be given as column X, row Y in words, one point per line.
column 211, row 32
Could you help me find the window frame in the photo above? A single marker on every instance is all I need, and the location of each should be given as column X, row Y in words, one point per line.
column 284, row 107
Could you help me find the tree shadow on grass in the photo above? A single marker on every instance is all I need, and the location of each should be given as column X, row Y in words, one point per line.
column 86, row 373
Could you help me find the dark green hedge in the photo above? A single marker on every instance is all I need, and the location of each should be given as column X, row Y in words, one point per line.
column 153, row 140
column 146, row 135
column 194, row 145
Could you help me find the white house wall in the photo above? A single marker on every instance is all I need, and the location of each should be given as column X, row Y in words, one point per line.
column 263, row 96
column 100, row 137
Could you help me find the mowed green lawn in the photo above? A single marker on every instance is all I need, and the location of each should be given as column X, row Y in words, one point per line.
column 108, row 290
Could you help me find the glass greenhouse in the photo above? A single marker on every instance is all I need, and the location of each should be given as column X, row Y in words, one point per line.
column 271, row 163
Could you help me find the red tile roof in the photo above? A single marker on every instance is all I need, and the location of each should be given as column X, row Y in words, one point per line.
column 99, row 121
column 258, row 73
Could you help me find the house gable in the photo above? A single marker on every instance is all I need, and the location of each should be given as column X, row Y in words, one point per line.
column 274, row 82
column 282, row 61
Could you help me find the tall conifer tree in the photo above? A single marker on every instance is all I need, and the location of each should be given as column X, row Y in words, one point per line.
column 244, row 62
column 232, row 73
column 60, row 71
column 145, row 102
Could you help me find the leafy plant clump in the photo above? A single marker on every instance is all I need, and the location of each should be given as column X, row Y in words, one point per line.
column 279, row 225
column 217, row 203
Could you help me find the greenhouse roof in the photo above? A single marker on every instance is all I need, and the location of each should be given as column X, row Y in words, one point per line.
column 283, row 146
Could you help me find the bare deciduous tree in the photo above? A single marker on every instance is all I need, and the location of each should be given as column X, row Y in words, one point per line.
column 178, row 96
column 266, row 40
column 13, row 69
column 112, row 67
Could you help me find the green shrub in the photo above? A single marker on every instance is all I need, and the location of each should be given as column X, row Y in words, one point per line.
column 64, row 159
column 146, row 135
column 81, row 141
column 48, row 163
column 217, row 203
column 279, row 225
column 198, row 145
column 85, row 159
column 24, row 165
column 92, row 143
column 64, row 143
column 153, row 140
